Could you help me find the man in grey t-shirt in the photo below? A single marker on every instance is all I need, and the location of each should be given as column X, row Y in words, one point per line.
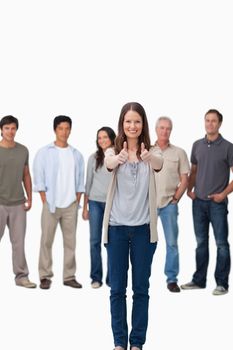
column 14, row 178
column 212, row 159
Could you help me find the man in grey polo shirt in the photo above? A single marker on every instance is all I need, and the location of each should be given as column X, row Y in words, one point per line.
column 171, row 183
column 14, row 171
column 212, row 159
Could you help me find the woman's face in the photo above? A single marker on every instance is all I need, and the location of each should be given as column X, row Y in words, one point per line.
column 103, row 140
column 132, row 125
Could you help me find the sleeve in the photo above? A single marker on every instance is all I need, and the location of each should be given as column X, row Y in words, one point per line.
column 193, row 154
column 184, row 166
column 39, row 173
column 90, row 174
column 230, row 155
column 27, row 158
column 79, row 173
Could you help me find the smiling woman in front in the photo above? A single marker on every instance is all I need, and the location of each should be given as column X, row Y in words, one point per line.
column 130, row 223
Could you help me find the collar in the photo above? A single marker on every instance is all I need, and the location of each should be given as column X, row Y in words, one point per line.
column 168, row 145
column 52, row 145
column 215, row 142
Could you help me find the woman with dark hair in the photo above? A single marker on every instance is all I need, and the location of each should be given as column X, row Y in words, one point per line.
column 97, row 181
column 130, row 222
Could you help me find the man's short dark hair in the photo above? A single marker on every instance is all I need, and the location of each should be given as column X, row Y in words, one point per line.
column 61, row 119
column 218, row 114
column 9, row 119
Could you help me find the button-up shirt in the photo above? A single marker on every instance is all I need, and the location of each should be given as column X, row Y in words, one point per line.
column 167, row 180
column 45, row 171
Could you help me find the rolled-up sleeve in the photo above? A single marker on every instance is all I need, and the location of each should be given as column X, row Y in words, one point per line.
column 38, row 173
column 79, row 172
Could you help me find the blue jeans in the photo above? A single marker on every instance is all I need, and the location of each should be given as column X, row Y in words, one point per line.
column 168, row 216
column 96, row 213
column 204, row 213
column 129, row 242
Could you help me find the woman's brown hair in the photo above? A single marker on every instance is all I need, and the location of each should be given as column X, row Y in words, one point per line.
column 99, row 155
column 144, row 137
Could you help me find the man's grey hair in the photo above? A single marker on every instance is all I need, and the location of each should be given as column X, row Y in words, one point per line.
column 163, row 118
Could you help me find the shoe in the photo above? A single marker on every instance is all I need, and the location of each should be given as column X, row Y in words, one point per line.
column 24, row 282
column 190, row 285
column 96, row 284
column 173, row 287
column 220, row 290
column 72, row 283
column 45, row 283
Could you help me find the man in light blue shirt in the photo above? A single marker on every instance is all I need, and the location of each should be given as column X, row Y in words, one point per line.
column 59, row 178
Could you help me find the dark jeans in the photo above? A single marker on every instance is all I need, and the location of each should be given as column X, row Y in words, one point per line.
column 204, row 213
column 129, row 242
column 96, row 213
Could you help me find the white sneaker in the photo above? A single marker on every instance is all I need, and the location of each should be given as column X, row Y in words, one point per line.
column 190, row 285
column 24, row 282
column 96, row 285
column 220, row 290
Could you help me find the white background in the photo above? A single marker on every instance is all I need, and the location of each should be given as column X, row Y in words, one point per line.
column 86, row 59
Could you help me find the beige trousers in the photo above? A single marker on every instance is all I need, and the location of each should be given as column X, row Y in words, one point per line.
column 67, row 218
column 15, row 218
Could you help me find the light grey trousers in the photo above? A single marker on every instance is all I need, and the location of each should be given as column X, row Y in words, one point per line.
column 67, row 218
column 15, row 218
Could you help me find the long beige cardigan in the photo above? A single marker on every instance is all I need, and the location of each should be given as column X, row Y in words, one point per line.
column 157, row 155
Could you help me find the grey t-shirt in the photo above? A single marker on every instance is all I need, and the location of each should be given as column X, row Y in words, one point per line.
column 130, row 205
column 12, row 163
column 214, row 160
